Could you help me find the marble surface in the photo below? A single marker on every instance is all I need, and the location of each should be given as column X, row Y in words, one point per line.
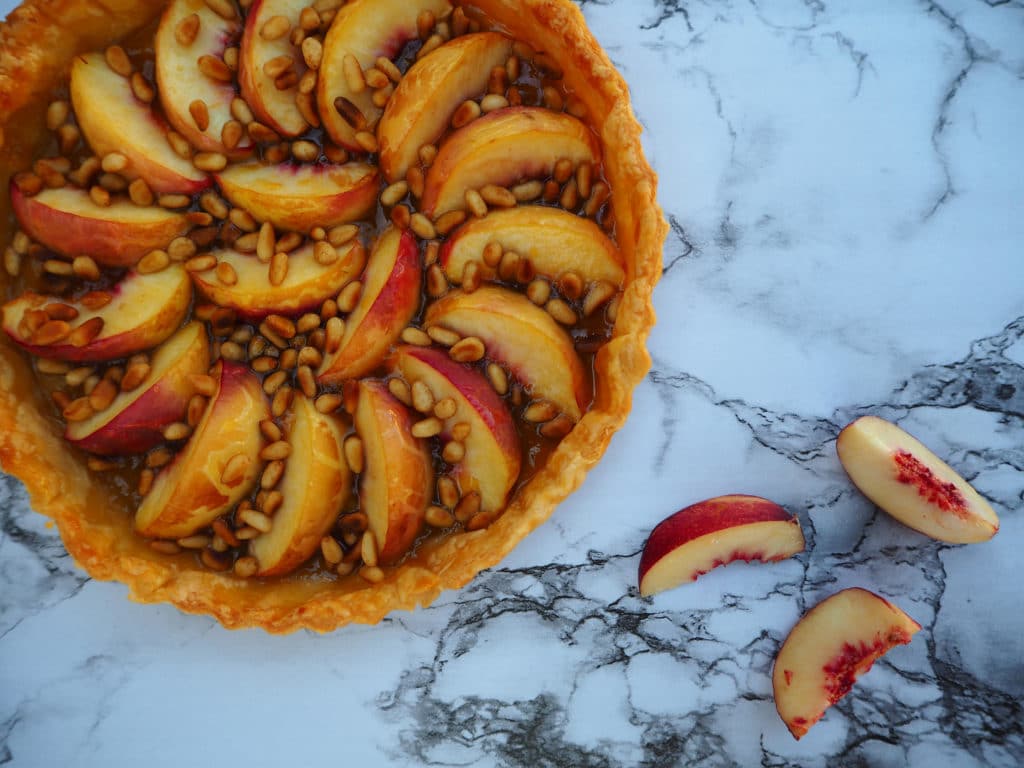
column 845, row 186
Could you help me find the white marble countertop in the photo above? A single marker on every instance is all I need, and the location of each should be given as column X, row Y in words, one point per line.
column 845, row 186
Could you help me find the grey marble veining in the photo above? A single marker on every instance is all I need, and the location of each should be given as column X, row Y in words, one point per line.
column 845, row 187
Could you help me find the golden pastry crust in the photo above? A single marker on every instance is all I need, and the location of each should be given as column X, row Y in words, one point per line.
column 36, row 46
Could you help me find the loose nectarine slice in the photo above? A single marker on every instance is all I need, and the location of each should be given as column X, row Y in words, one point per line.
column 117, row 235
column 522, row 336
column 421, row 107
column 191, row 492
column 493, row 454
column 715, row 532
column 555, row 241
column 136, row 314
column 912, row 484
column 306, row 286
column 114, row 120
column 274, row 107
column 181, row 82
column 389, row 299
column 504, row 147
column 316, row 484
column 134, row 422
column 300, row 197
column 830, row 647
column 364, row 29
column 395, row 486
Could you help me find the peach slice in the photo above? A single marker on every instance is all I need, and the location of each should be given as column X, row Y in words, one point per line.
column 113, row 120
column 307, row 285
column 134, row 422
column 912, row 484
column 522, row 336
column 419, row 110
column 274, row 107
column 396, row 483
column 493, row 454
column 555, row 241
column 316, row 484
column 715, row 532
column 364, row 29
column 117, row 235
column 136, row 314
column 300, row 197
column 829, row 648
column 181, row 82
column 190, row 493
column 389, row 299
column 504, row 147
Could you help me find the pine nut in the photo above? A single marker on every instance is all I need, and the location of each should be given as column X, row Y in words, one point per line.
column 118, row 60
column 57, row 114
column 271, row 475
column 449, row 221
column 400, row 390
column 437, row 283
column 467, row 350
column 85, row 268
column 223, row 8
column 416, row 337
column 368, row 548
column 211, row 162
column 257, row 520
column 215, row 68
column 422, row 397
column 275, row 28
column 354, row 453
column 312, row 52
column 561, row 312
column 493, row 101
column 465, row 113
column 453, row 452
column 498, row 378
column 496, row 196
column 394, row 193
column 328, row 403
column 428, row 427
column 475, row 203
column 422, row 227
column 468, row 506
column 331, row 550
column 443, row 336
column 278, row 269
column 439, row 517
column 372, row 574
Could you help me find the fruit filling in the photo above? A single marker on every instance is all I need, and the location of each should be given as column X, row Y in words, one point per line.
column 309, row 284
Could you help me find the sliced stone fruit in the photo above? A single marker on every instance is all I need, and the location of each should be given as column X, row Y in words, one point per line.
column 307, row 284
column 194, row 489
column 274, row 107
column 422, row 105
column 523, row 337
column 300, row 197
column 397, row 480
column 503, row 148
column 364, row 30
column 181, row 78
column 114, row 120
column 912, row 484
column 315, row 486
column 492, row 457
column 715, row 532
column 389, row 299
column 554, row 240
column 134, row 421
column 117, row 235
column 829, row 648
column 136, row 314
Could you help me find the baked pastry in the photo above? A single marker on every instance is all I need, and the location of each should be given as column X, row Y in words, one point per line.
column 313, row 311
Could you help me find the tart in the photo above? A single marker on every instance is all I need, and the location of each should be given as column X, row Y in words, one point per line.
column 312, row 311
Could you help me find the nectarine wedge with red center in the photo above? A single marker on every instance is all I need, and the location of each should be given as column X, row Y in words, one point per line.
column 716, row 532
column 134, row 315
column 300, row 197
column 134, row 422
column 364, row 29
column 117, row 235
column 194, row 490
column 504, row 147
column 114, row 120
column 522, row 336
column 829, row 648
column 305, row 287
column 421, row 107
column 396, row 483
column 316, row 484
column 493, row 454
column 912, row 484
column 389, row 299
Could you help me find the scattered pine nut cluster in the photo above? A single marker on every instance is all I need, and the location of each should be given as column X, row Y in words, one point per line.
column 313, row 303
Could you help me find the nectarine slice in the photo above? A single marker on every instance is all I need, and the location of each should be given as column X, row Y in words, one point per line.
column 316, row 484
column 829, row 648
column 522, row 336
column 191, row 492
column 396, row 483
column 504, row 147
column 912, row 484
column 134, row 422
column 716, row 532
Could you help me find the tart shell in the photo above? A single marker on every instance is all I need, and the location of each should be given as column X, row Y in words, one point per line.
column 37, row 43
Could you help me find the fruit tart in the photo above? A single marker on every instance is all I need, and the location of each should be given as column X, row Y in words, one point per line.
column 314, row 309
